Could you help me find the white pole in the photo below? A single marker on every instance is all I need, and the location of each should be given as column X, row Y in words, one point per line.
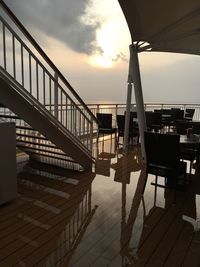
column 127, row 117
column 134, row 71
column 128, row 106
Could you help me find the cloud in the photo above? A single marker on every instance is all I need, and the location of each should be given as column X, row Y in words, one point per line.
column 120, row 56
column 65, row 20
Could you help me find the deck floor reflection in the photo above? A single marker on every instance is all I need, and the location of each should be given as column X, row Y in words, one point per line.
column 99, row 218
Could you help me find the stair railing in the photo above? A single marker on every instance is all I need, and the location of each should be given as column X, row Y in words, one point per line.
column 43, row 81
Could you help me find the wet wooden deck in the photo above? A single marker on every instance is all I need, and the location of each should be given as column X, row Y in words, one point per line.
column 99, row 218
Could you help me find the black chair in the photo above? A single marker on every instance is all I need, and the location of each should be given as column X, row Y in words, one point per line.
column 157, row 122
column 181, row 126
column 190, row 154
column 105, row 124
column 195, row 127
column 133, row 129
column 189, row 113
column 167, row 118
column 187, row 151
column 153, row 121
column 177, row 114
column 162, row 155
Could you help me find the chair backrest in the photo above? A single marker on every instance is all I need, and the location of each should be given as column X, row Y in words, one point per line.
column 157, row 118
column 121, row 122
column 177, row 113
column 162, row 149
column 167, row 111
column 195, row 127
column 158, row 111
column 189, row 112
column 149, row 118
column 104, row 120
column 133, row 114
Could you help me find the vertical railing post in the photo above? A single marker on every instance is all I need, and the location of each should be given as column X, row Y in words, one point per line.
column 91, row 136
column 97, row 108
column 56, row 94
column 4, row 47
column 116, row 112
column 14, row 62
column 22, row 64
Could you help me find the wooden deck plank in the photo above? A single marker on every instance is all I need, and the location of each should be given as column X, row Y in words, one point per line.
column 159, row 257
column 150, row 244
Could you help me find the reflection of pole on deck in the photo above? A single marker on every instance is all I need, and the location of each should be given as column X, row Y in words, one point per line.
column 127, row 226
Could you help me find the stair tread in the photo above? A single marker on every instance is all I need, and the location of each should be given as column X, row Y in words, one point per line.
column 9, row 116
column 53, row 157
column 43, row 150
column 39, row 144
column 31, row 136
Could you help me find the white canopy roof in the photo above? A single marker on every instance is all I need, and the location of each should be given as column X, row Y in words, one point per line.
column 166, row 25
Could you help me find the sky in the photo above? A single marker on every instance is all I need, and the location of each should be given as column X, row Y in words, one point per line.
column 88, row 40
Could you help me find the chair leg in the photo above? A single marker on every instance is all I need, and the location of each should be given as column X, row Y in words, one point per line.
column 190, row 174
column 156, row 180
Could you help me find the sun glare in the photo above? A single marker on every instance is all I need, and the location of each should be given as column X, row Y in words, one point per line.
column 105, row 39
column 101, row 61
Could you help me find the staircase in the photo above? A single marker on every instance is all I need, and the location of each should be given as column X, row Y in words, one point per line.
column 53, row 124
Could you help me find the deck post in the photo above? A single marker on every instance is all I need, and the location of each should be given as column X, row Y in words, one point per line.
column 127, row 117
column 128, row 106
column 56, row 94
column 134, row 71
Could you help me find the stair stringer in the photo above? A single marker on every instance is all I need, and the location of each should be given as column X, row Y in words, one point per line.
column 16, row 102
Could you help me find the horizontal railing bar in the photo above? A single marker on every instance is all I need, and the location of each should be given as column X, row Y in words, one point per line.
column 146, row 103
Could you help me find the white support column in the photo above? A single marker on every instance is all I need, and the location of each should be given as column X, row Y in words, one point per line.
column 134, row 71
column 127, row 118
column 128, row 106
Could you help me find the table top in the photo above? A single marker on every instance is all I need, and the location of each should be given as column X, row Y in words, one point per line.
column 193, row 139
column 166, row 116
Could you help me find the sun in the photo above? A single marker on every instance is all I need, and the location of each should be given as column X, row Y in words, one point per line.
column 113, row 36
column 106, row 37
